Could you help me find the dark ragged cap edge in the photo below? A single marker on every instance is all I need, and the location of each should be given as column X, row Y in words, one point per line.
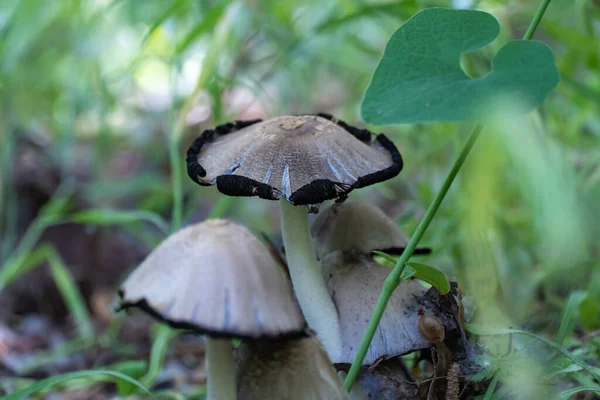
column 237, row 185
column 397, row 251
column 318, row 191
column 194, row 168
column 147, row 308
column 315, row 192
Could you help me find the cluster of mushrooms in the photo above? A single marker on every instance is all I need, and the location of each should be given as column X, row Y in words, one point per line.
column 299, row 320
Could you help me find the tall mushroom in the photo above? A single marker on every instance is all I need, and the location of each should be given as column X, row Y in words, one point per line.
column 302, row 160
column 216, row 278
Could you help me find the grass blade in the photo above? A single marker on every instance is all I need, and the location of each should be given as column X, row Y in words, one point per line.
column 208, row 22
column 483, row 331
column 48, row 215
column 569, row 315
column 64, row 281
column 221, row 206
column 71, row 295
column 162, row 18
column 92, row 375
column 158, row 353
column 115, row 217
column 35, row 258
column 394, row 9
column 567, row 394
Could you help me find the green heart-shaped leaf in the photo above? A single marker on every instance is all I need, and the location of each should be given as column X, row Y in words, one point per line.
column 420, row 79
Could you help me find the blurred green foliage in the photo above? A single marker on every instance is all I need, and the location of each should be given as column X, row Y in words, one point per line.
column 112, row 79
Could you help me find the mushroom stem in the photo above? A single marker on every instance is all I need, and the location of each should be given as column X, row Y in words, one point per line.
column 221, row 373
column 309, row 286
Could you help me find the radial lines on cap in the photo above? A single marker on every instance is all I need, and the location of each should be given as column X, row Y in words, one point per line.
column 268, row 174
column 285, row 181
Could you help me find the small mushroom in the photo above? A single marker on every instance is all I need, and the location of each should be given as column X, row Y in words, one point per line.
column 355, row 282
column 360, row 226
column 344, row 236
column 302, row 160
column 287, row 369
column 216, row 278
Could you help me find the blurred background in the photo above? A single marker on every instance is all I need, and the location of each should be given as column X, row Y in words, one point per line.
column 99, row 100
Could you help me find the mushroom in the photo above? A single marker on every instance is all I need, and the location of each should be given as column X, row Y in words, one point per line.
column 288, row 369
column 302, row 160
column 354, row 282
column 216, row 278
column 344, row 236
column 360, row 226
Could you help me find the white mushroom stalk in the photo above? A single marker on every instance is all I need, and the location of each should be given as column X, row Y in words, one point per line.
column 221, row 371
column 307, row 279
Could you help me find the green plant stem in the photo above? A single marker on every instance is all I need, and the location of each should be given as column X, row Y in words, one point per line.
column 536, row 19
column 175, row 161
column 491, row 389
column 393, row 279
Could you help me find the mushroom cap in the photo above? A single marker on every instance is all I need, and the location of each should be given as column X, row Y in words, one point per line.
column 306, row 159
column 355, row 286
column 215, row 277
column 287, row 369
column 355, row 225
